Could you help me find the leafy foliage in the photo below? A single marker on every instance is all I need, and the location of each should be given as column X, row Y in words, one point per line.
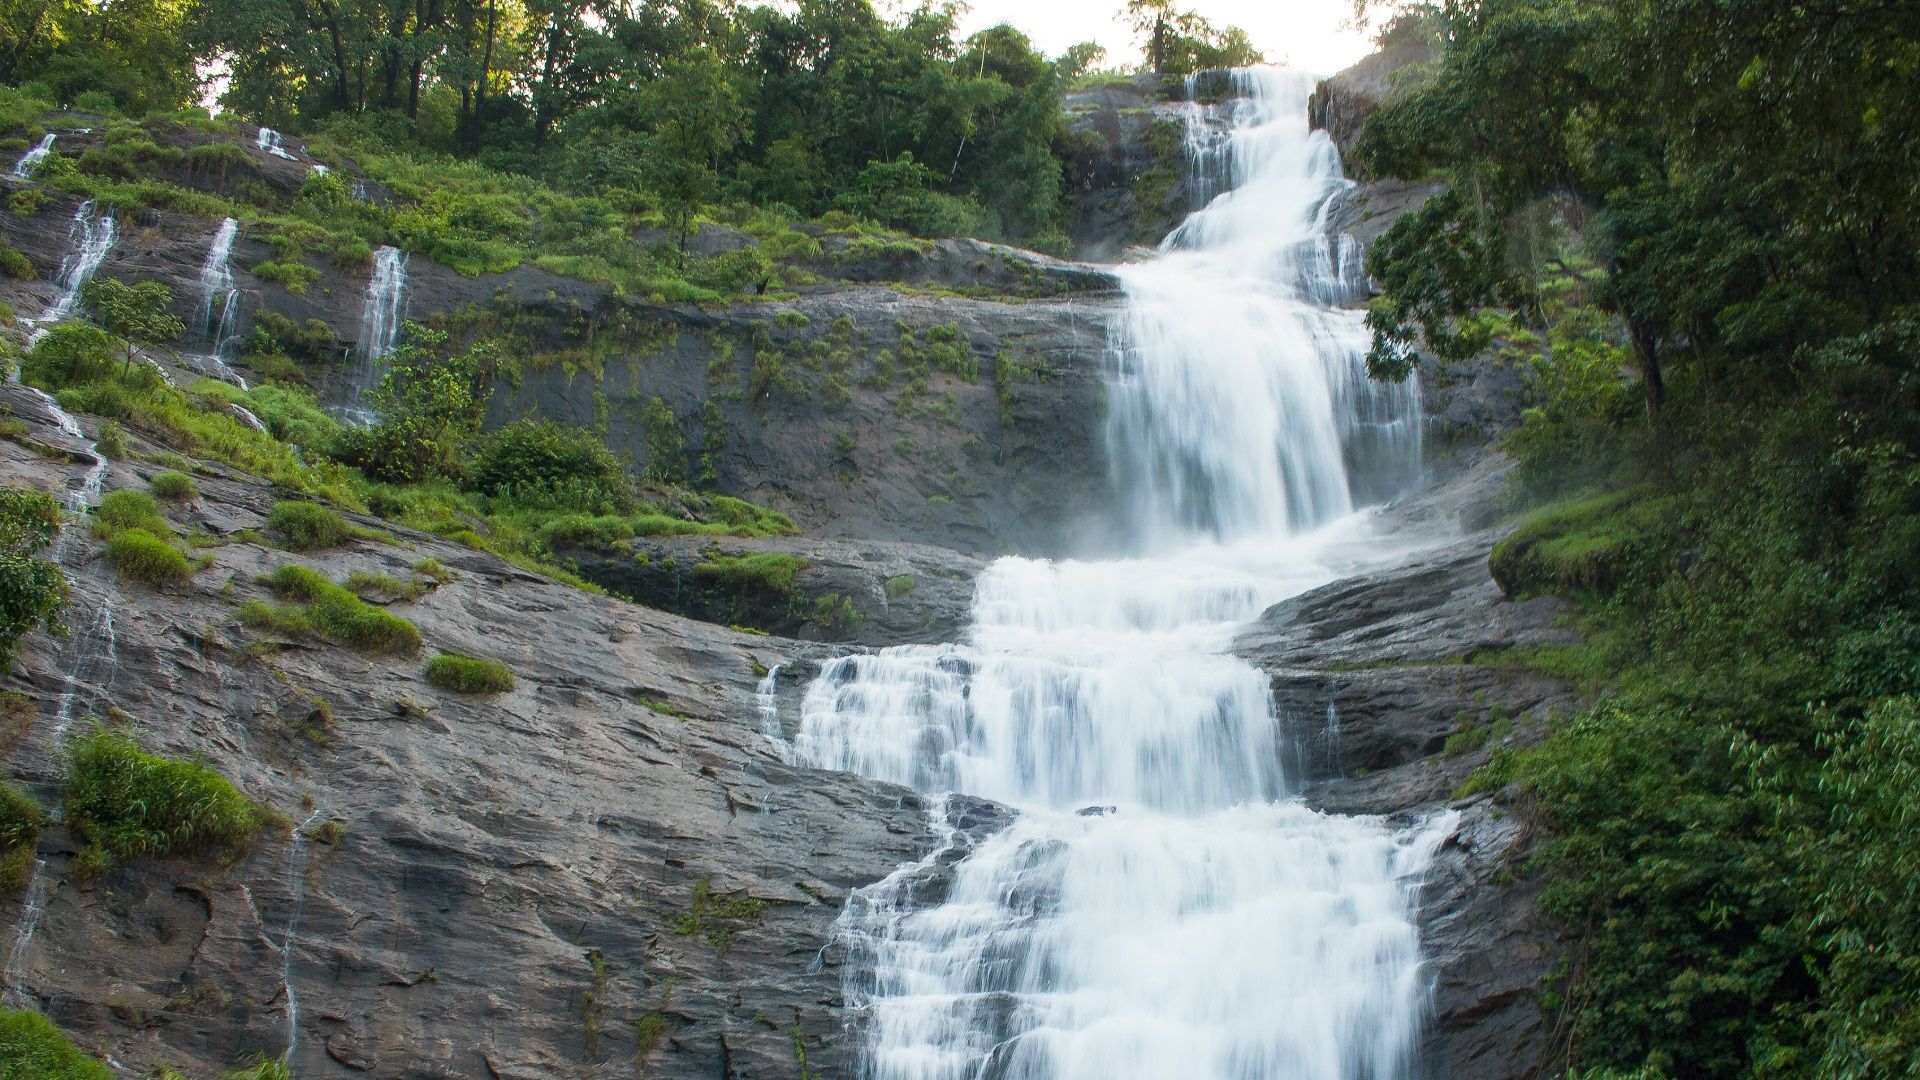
column 306, row 526
column 32, row 590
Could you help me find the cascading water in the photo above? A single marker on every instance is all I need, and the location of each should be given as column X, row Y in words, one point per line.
column 91, row 236
column 381, row 313
column 1162, row 906
column 220, row 306
column 31, row 160
column 271, row 141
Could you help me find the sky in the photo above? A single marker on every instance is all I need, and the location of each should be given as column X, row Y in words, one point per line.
column 1307, row 34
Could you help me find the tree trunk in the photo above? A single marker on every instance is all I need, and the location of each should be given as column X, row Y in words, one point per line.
column 480, row 95
column 342, row 95
column 1646, row 350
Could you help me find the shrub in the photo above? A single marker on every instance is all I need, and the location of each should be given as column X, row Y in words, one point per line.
column 128, row 509
column 32, row 590
column 899, row 585
column 20, row 821
column 111, row 441
column 468, row 674
column 174, row 485
column 15, row 264
column 306, row 526
column 539, row 462
column 322, row 609
column 27, row 201
column 125, row 803
column 142, row 556
column 31, row 1048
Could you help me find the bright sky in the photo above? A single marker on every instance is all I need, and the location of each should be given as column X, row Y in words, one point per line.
column 1307, row 34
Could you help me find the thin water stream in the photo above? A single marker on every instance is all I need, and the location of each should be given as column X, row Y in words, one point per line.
column 1163, row 906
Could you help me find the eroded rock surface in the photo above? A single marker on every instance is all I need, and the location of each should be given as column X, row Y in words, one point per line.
column 1395, row 686
column 606, row 869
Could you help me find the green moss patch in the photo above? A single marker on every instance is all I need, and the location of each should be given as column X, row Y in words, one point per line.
column 469, row 674
column 320, row 608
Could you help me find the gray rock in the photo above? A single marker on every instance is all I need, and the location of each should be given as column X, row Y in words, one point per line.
column 608, row 858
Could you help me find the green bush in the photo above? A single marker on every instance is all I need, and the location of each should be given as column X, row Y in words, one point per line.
column 31, row 1048
column 174, row 485
column 129, row 509
column 20, row 822
column 468, row 674
column 541, row 463
column 320, row 608
column 142, row 556
column 27, row 201
column 124, row 803
column 32, row 589
column 900, row 585
column 306, row 526
column 15, row 264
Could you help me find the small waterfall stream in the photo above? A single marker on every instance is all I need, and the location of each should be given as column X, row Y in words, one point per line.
column 273, row 143
column 1163, row 906
column 93, row 660
column 91, row 236
column 31, row 160
column 381, row 314
column 219, row 308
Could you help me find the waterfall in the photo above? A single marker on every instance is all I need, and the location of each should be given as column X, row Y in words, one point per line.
column 32, row 907
column 297, row 860
column 1164, row 905
column 271, row 141
column 219, row 306
column 31, row 160
column 90, row 237
column 381, row 313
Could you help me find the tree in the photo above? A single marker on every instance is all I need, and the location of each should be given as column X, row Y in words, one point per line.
column 32, row 590
column 430, row 408
column 693, row 116
column 136, row 313
column 1179, row 42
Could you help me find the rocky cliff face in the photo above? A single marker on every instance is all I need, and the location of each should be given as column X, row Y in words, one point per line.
column 606, row 869
column 609, row 870
column 1395, row 690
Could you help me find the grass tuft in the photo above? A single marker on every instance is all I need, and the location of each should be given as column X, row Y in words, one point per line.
column 469, row 674
column 125, row 803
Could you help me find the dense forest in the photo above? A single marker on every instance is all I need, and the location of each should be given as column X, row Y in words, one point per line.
column 670, row 104
column 1694, row 222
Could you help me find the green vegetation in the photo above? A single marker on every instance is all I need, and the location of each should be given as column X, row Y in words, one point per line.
column 305, row 526
column 173, row 486
column 767, row 572
column 137, row 314
column 32, row 590
column 31, row 1048
column 320, row 608
column 718, row 916
column 142, row 556
column 1719, row 466
column 899, row 585
column 124, row 803
column 468, row 674
column 20, row 821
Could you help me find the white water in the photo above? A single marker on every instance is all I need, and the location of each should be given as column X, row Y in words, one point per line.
column 95, row 661
column 297, row 858
column 381, row 314
column 272, row 142
column 216, row 318
column 31, row 160
column 90, row 237
column 1162, row 907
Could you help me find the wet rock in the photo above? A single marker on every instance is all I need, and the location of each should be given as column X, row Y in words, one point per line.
column 519, row 881
column 1393, row 688
column 873, row 592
